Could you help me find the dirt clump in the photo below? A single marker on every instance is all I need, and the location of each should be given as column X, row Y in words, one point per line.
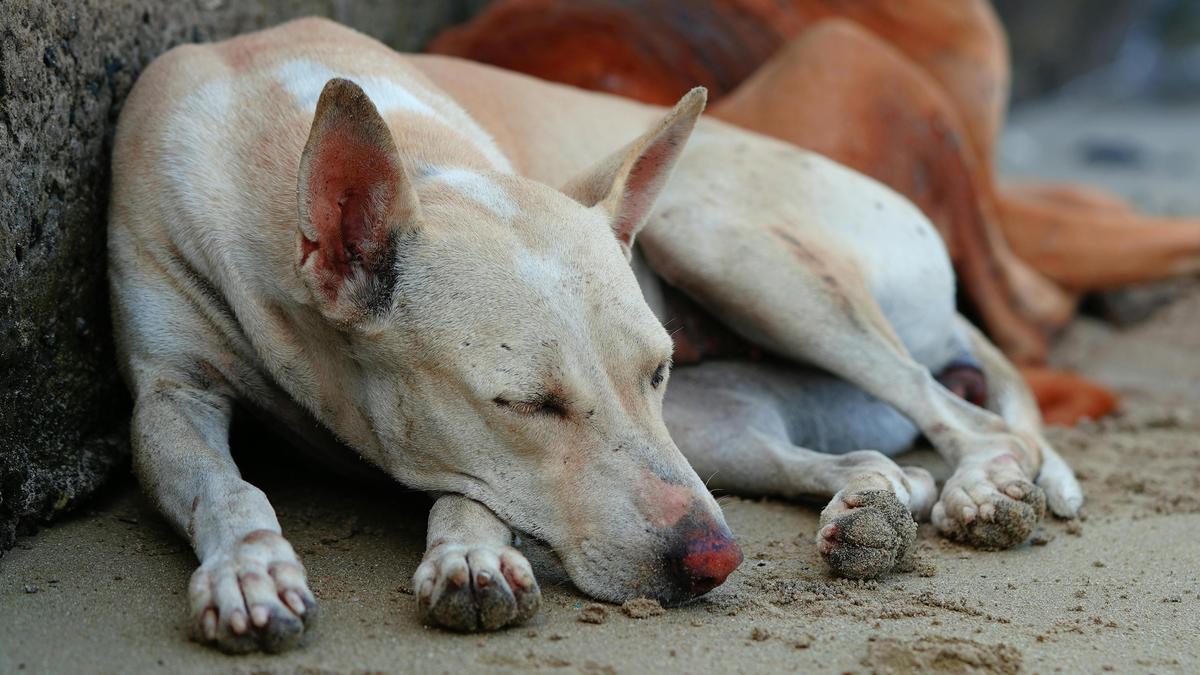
column 593, row 613
column 642, row 608
column 933, row 654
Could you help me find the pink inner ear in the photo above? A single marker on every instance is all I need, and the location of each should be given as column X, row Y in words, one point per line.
column 350, row 185
column 641, row 188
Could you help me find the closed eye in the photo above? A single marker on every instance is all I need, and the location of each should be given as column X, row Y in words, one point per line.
column 543, row 404
column 660, row 374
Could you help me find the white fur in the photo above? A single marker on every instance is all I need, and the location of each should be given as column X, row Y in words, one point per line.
column 304, row 79
column 478, row 188
column 504, row 288
column 187, row 148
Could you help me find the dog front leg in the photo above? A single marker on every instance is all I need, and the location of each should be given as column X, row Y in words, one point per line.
column 471, row 577
column 250, row 591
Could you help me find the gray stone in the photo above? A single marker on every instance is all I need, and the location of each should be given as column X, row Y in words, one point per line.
column 65, row 68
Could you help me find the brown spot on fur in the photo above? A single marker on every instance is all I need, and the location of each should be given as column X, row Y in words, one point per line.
column 842, row 282
column 258, row 536
column 191, row 524
column 240, row 54
column 664, row 503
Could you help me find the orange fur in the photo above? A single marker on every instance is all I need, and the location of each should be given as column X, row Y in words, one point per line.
column 1066, row 399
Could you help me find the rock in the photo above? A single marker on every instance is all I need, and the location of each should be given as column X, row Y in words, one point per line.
column 65, row 69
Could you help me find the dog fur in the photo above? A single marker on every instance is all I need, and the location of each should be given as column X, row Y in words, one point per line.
column 355, row 241
column 362, row 256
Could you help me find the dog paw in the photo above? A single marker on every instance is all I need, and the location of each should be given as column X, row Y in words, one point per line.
column 475, row 588
column 865, row 534
column 252, row 597
column 990, row 504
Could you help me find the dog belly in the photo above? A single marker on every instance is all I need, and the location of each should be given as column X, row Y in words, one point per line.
column 816, row 410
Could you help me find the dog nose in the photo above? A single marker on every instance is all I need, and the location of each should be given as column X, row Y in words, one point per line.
column 707, row 556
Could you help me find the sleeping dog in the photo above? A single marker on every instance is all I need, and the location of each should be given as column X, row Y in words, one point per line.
column 367, row 247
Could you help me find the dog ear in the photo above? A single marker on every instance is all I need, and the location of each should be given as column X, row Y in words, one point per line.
column 627, row 183
column 355, row 198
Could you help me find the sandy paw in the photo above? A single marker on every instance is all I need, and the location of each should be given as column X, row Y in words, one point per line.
column 253, row 597
column 866, row 534
column 475, row 588
column 990, row 505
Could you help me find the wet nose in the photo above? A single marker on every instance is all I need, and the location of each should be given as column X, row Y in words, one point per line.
column 706, row 556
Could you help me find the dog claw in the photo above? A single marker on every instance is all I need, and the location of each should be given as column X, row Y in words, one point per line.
column 237, row 621
column 968, row 514
column 292, row 598
column 472, row 589
column 210, row 624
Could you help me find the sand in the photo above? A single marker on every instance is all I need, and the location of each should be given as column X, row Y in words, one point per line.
column 104, row 591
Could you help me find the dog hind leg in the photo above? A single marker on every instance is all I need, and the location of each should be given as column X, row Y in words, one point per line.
column 739, row 424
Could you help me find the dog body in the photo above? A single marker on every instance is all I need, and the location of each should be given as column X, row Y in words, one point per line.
column 361, row 254
column 849, row 291
column 391, row 271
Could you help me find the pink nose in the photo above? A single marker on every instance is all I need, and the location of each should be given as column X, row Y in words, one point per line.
column 709, row 556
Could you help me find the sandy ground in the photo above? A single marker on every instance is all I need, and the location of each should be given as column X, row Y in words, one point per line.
column 105, row 590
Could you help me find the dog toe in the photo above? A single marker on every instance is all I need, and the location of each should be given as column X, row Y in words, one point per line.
column 495, row 602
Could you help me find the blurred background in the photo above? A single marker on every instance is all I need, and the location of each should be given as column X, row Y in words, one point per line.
column 1120, row 48
column 1104, row 91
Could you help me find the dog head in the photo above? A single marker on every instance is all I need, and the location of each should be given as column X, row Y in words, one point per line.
column 503, row 347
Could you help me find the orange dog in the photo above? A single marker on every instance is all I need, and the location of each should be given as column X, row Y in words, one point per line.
column 912, row 94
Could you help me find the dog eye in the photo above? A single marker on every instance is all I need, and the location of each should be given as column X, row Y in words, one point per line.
column 547, row 404
column 659, row 375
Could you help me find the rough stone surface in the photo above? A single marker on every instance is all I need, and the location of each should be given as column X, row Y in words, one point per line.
column 65, row 68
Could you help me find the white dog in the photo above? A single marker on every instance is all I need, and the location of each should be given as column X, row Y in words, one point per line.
column 351, row 240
